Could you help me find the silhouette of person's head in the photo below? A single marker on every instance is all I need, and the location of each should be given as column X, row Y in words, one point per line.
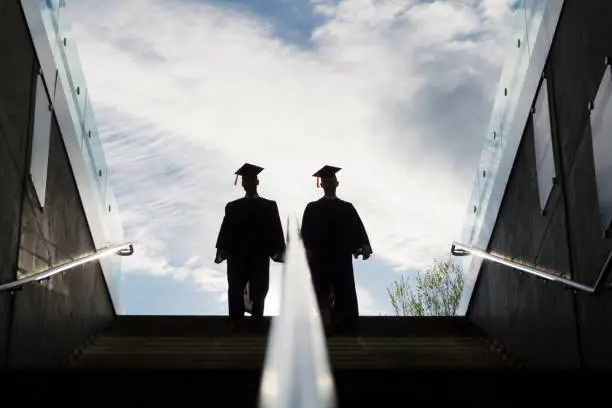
column 250, row 183
column 329, row 184
column 329, row 181
column 249, row 174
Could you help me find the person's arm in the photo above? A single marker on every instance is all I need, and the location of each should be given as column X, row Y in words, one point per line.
column 277, row 236
column 307, row 228
column 361, row 236
column 223, row 238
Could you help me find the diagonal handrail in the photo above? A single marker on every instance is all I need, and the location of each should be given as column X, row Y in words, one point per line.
column 126, row 249
column 458, row 249
column 297, row 371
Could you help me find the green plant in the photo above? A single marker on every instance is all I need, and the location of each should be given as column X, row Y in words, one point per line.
column 437, row 292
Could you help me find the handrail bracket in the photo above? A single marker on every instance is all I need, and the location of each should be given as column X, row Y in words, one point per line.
column 458, row 252
column 126, row 251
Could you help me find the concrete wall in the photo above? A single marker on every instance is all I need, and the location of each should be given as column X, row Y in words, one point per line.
column 43, row 322
column 17, row 73
column 542, row 323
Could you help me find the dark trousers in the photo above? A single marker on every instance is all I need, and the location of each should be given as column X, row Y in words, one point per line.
column 334, row 272
column 240, row 270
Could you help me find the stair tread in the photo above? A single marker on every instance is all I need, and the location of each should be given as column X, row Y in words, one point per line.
column 204, row 342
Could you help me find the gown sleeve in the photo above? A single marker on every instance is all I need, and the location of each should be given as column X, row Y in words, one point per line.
column 358, row 231
column 277, row 238
column 307, row 231
column 223, row 237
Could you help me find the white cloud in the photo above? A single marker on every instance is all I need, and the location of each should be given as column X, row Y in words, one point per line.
column 397, row 93
column 367, row 304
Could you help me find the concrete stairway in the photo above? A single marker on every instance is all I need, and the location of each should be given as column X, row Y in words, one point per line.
column 384, row 356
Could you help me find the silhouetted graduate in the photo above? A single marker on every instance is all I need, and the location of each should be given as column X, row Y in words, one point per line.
column 333, row 232
column 251, row 233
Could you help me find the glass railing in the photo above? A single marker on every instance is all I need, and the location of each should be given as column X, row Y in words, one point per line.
column 510, row 86
column 534, row 22
column 66, row 57
column 69, row 92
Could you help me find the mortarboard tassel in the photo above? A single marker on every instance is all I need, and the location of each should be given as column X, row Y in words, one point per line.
column 236, row 180
column 318, row 184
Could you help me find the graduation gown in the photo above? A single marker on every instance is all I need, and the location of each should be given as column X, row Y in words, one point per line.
column 250, row 234
column 333, row 232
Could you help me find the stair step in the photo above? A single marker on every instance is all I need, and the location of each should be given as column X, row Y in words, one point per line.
column 212, row 326
column 423, row 361
column 204, row 342
column 388, row 360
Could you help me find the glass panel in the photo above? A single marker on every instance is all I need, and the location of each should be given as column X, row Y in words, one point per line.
column 54, row 7
column 545, row 164
column 472, row 212
column 534, row 12
column 502, row 115
column 47, row 31
column 114, row 221
column 40, row 141
column 48, row 11
column 93, row 145
column 80, row 109
column 546, row 176
column 601, row 126
column 63, row 93
column 73, row 70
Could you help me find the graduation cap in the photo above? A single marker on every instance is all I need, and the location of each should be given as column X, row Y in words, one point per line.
column 247, row 169
column 326, row 172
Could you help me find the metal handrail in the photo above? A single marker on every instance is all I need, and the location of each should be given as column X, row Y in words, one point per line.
column 458, row 249
column 126, row 249
column 297, row 372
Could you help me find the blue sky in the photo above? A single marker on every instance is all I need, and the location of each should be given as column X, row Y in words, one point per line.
column 291, row 20
column 397, row 93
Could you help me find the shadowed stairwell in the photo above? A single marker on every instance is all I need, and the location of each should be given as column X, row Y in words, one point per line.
column 386, row 351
